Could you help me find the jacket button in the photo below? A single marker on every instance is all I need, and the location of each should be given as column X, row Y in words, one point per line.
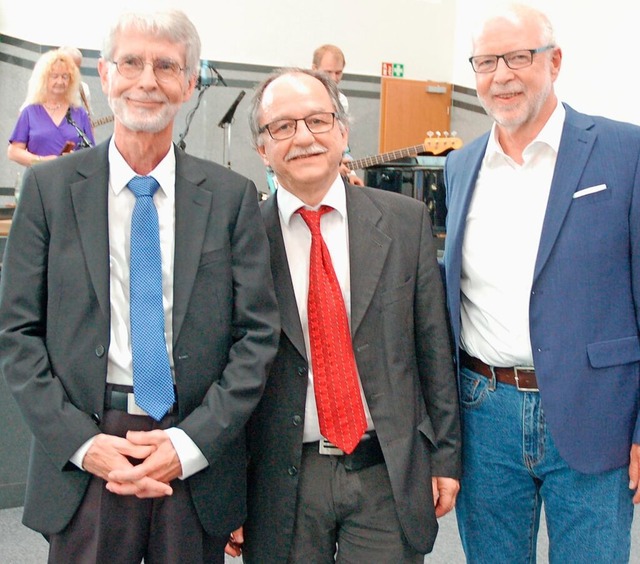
column 296, row 420
column 292, row 470
column 302, row 371
column 99, row 351
column 96, row 418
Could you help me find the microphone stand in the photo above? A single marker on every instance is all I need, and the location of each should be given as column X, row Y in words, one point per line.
column 225, row 124
column 86, row 143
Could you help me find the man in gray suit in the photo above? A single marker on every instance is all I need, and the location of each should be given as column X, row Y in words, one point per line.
column 108, row 482
column 377, row 498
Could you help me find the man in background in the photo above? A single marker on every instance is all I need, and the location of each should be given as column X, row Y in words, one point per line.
column 137, row 323
column 542, row 260
column 85, row 93
column 330, row 60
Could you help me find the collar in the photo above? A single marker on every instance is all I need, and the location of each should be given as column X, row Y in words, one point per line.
column 335, row 197
column 120, row 173
column 549, row 135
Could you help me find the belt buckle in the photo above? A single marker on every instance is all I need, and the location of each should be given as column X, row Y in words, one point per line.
column 328, row 448
column 132, row 407
column 520, row 388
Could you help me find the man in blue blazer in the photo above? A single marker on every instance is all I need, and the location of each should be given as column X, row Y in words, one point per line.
column 542, row 266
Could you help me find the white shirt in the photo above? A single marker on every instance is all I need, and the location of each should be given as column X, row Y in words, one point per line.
column 500, row 247
column 297, row 242
column 121, row 202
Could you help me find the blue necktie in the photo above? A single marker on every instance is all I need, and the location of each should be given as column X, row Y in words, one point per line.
column 152, row 380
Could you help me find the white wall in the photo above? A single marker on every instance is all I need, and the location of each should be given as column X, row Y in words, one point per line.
column 416, row 33
column 430, row 37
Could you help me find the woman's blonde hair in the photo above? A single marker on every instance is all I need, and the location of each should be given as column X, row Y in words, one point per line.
column 37, row 88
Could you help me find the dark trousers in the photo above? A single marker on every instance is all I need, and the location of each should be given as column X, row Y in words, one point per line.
column 115, row 529
column 345, row 516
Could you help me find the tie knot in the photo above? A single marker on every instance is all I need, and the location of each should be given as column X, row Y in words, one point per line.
column 312, row 218
column 143, row 186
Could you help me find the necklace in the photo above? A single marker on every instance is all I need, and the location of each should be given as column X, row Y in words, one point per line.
column 52, row 108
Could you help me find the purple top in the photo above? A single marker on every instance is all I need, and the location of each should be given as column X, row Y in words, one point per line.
column 43, row 137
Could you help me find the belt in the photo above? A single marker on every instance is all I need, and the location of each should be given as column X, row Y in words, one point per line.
column 522, row 377
column 121, row 398
column 368, row 453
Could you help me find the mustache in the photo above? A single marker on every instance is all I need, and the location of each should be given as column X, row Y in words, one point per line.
column 315, row 149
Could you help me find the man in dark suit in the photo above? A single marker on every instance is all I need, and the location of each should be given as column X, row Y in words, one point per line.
column 107, row 481
column 542, row 260
column 377, row 498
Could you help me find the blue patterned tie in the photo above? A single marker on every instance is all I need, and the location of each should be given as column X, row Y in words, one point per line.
column 152, row 380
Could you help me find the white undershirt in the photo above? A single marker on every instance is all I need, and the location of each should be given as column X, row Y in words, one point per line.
column 500, row 247
column 297, row 242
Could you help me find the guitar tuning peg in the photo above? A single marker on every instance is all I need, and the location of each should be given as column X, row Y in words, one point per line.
column 429, row 133
column 438, row 134
column 446, row 133
column 454, row 134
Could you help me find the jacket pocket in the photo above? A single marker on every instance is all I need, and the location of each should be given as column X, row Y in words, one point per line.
column 615, row 352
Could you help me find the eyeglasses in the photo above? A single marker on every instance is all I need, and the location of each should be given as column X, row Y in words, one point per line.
column 163, row 69
column 515, row 60
column 286, row 128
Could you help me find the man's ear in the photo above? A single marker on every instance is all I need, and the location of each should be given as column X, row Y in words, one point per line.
column 263, row 155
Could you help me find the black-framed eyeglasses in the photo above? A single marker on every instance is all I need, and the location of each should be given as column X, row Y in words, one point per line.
column 515, row 60
column 164, row 69
column 322, row 122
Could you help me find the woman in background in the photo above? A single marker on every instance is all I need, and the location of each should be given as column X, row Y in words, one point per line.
column 52, row 120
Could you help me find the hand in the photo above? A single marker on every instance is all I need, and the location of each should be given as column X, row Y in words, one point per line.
column 234, row 545
column 108, row 453
column 350, row 175
column 150, row 478
column 445, row 491
column 634, row 472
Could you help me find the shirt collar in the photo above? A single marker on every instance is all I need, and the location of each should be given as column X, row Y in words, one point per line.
column 549, row 135
column 335, row 197
column 120, row 173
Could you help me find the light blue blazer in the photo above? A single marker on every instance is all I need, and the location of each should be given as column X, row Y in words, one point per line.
column 584, row 309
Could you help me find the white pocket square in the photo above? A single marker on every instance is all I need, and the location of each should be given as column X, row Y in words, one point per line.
column 590, row 190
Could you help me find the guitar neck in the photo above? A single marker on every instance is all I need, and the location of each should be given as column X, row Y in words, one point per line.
column 385, row 157
column 101, row 121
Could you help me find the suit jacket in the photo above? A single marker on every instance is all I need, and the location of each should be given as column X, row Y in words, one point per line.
column 402, row 349
column 584, row 309
column 55, row 326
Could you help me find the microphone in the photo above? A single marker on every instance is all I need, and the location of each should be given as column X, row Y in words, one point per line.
column 228, row 117
column 86, row 144
column 218, row 75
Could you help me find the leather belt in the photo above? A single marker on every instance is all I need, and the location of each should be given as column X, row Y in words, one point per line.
column 121, row 398
column 368, row 453
column 522, row 377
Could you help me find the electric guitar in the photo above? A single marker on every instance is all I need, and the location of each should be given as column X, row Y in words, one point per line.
column 433, row 145
column 101, row 121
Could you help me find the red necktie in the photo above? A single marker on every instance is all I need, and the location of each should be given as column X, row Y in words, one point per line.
column 335, row 378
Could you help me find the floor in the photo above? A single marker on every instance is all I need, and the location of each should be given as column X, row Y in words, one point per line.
column 19, row 545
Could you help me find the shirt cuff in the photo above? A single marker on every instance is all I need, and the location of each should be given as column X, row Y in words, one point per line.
column 191, row 457
column 78, row 455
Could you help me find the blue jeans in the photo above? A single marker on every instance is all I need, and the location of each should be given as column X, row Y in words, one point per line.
column 511, row 467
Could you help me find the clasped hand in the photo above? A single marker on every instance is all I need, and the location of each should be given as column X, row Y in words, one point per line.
column 109, row 457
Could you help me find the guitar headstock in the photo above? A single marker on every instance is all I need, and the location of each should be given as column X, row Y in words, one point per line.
column 440, row 143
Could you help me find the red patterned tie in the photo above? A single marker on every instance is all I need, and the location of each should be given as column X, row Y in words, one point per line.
column 335, row 379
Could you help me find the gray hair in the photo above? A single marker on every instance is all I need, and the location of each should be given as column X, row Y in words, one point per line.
column 521, row 13
column 171, row 25
column 332, row 89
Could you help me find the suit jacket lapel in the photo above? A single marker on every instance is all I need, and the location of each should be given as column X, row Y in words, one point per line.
column 576, row 144
column 193, row 209
column 368, row 245
column 90, row 206
column 289, row 316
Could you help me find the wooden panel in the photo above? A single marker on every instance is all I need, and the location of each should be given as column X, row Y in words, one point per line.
column 411, row 108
